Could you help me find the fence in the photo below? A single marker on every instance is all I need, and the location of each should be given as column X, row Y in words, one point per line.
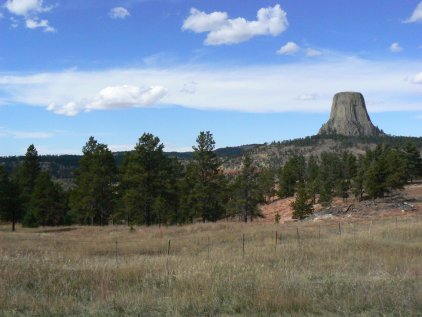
column 241, row 243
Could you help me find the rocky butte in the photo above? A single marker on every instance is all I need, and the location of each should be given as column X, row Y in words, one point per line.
column 349, row 117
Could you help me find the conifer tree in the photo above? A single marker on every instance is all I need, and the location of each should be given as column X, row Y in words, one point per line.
column 302, row 205
column 27, row 174
column 10, row 209
column 205, row 197
column 246, row 193
column 94, row 197
column 47, row 204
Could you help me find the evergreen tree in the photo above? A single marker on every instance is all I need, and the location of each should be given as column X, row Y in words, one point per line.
column 205, row 197
column 413, row 161
column 150, row 183
column 27, row 174
column 47, row 204
column 302, row 206
column 246, row 194
column 94, row 196
column 292, row 172
column 10, row 209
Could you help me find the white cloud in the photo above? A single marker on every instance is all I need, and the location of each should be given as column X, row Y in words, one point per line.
column 416, row 15
column 396, row 48
column 34, row 24
column 290, row 48
column 68, row 109
column 310, row 52
column 417, row 79
column 29, row 10
column 264, row 88
column 306, row 97
column 127, row 96
column 222, row 30
column 26, row 7
column 119, row 13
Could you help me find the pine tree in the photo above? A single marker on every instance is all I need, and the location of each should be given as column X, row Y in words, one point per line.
column 205, row 197
column 413, row 161
column 292, row 172
column 10, row 208
column 27, row 174
column 47, row 204
column 150, row 183
column 94, row 196
column 246, row 193
column 302, row 206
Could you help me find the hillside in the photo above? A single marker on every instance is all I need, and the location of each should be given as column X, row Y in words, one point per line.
column 271, row 155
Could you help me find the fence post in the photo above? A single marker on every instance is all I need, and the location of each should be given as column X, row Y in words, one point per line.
column 243, row 245
column 297, row 234
column 168, row 247
column 396, row 222
column 339, row 228
column 319, row 232
column 117, row 252
column 276, row 238
column 209, row 248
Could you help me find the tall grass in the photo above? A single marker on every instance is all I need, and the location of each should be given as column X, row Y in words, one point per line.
column 371, row 269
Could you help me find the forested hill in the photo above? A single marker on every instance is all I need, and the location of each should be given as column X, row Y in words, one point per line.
column 62, row 166
column 272, row 155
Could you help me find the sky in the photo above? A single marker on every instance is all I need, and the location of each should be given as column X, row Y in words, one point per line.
column 249, row 71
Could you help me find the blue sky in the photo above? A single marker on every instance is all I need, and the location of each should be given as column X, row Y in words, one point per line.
column 250, row 71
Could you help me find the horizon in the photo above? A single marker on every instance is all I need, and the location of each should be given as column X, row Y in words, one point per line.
column 252, row 74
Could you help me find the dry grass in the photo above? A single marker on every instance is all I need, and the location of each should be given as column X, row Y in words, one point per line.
column 370, row 270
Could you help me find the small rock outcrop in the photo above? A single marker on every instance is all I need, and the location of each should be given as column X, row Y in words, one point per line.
column 349, row 117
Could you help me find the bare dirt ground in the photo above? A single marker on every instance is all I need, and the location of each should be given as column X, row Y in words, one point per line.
column 401, row 204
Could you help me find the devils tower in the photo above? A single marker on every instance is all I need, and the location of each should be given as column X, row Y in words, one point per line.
column 349, row 117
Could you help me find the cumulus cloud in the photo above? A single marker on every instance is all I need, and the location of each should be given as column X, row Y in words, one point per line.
column 119, row 13
column 29, row 10
column 113, row 97
column 26, row 7
column 259, row 88
column 416, row 15
column 290, row 48
column 35, row 24
column 222, row 30
column 396, row 48
column 127, row 96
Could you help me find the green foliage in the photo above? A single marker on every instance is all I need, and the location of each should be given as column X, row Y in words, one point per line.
column 94, row 196
column 27, row 174
column 246, row 193
column 149, row 184
column 204, row 189
column 302, row 206
column 47, row 206
column 10, row 209
column 290, row 174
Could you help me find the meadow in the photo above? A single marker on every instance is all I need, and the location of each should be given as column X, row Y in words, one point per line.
column 370, row 267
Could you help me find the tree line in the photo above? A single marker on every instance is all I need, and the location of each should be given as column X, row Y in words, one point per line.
column 151, row 188
column 375, row 174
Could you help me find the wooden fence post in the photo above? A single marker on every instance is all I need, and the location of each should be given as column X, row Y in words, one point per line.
column 168, row 247
column 339, row 228
column 243, row 245
column 297, row 234
column 117, row 252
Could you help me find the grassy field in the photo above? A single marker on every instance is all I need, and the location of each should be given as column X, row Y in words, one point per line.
column 374, row 268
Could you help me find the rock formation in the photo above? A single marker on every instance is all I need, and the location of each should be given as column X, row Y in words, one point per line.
column 349, row 117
